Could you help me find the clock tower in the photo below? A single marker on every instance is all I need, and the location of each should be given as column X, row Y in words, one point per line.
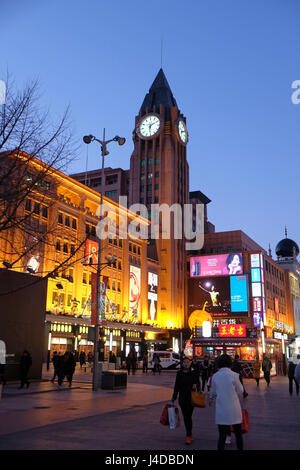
column 159, row 174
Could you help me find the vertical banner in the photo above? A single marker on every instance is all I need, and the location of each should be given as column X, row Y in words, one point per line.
column 102, row 293
column 152, row 295
column 134, row 292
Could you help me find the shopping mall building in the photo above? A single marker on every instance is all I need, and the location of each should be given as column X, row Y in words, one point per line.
column 245, row 295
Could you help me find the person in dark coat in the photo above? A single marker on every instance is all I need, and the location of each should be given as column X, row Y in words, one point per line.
column 205, row 371
column 291, row 376
column 237, row 367
column 69, row 367
column 2, row 374
column 186, row 381
column 145, row 363
column 82, row 358
column 55, row 361
column 25, row 364
column 156, row 364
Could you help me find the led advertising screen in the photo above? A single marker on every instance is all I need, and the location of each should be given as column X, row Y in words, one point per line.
column 152, row 295
column 219, row 296
column 216, row 265
column 239, row 293
column 257, row 319
column 134, row 291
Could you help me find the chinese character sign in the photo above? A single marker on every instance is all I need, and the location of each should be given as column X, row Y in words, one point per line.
column 102, row 294
column 232, row 331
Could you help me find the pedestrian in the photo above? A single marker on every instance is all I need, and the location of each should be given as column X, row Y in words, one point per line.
column 266, row 367
column 60, row 369
column 2, row 374
column 156, row 363
column 256, row 370
column 186, row 381
column 55, row 361
column 25, row 364
column 237, row 368
column 82, row 359
column 133, row 360
column 291, row 376
column 128, row 363
column 90, row 357
column 69, row 367
column 205, row 371
column 145, row 363
column 297, row 372
column 226, row 388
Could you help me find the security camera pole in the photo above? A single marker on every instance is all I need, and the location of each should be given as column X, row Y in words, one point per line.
column 100, row 310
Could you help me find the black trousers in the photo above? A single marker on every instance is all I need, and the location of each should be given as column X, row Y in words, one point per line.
column 257, row 381
column 267, row 377
column 291, row 386
column 24, row 379
column 187, row 411
column 145, row 368
column 225, row 430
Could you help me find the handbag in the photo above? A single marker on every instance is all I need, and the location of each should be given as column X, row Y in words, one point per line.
column 245, row 422
column 173, row 415
column 164, row 416
column 198, row 399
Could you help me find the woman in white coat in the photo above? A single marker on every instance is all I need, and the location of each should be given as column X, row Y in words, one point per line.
column 226, row 388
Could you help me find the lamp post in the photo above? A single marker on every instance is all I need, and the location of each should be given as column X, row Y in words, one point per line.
column 87, row 139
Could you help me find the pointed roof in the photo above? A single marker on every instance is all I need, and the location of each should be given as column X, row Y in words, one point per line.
column 159, row 93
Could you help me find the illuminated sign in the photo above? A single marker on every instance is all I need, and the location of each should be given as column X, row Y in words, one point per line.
column 218, row 265
column 232, row 331
column 257, row 304
column 91, row 252
column 152, row 295
column 255, row 275
column 268, row 332
column 257, row 319
column 219, row 296
column 134, row 292
column 239, row 293
column 255, row 260
column 102, row 293
column 256, row 289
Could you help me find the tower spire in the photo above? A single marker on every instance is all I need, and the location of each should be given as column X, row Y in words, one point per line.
column 285, row 231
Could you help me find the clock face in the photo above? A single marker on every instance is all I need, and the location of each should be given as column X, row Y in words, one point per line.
column 148, row 126
column 182, row 131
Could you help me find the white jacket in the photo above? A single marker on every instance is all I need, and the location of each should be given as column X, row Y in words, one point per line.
column 226, row 386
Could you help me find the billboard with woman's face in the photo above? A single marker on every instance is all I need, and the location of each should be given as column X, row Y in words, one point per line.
column 216, row 265
column 135, row 291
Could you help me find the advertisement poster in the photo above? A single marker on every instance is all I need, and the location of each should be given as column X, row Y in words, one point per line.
column 220, row 296
column 134, row 292
column 297, row 317
column 152, row 295
column 103, row 284
column 91, row 252
column 216, row 265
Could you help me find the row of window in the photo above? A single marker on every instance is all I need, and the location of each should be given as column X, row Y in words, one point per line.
column 149, row 200
column 274, row 289
column 115, row 241
column 134, row 248
column 274, row 271
column 64, row 246
column 36, row 208
column 111, row 193
column 90, row 229
column 149, row 187
column 66, row 220
column 150, row 175
column 39, row 181
column 149, row 162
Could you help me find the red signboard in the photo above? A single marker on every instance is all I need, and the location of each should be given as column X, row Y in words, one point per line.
column 268, row 331
column 91, row 252
column 257, row 304
column 232, row 331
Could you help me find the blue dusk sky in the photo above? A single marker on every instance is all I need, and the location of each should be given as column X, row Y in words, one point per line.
column 229, row 63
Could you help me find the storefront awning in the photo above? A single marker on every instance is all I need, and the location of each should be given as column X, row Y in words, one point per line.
column 229, row 342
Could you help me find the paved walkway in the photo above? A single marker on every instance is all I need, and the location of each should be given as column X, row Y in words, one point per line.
column 79, row 418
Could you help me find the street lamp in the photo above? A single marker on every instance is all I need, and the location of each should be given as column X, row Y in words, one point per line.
column 87, row 139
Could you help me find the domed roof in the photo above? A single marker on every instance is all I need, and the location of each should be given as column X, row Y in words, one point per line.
column 285, row 248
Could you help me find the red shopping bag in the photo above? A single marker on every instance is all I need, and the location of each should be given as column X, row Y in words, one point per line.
column 245, row 422
column 164, row 419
